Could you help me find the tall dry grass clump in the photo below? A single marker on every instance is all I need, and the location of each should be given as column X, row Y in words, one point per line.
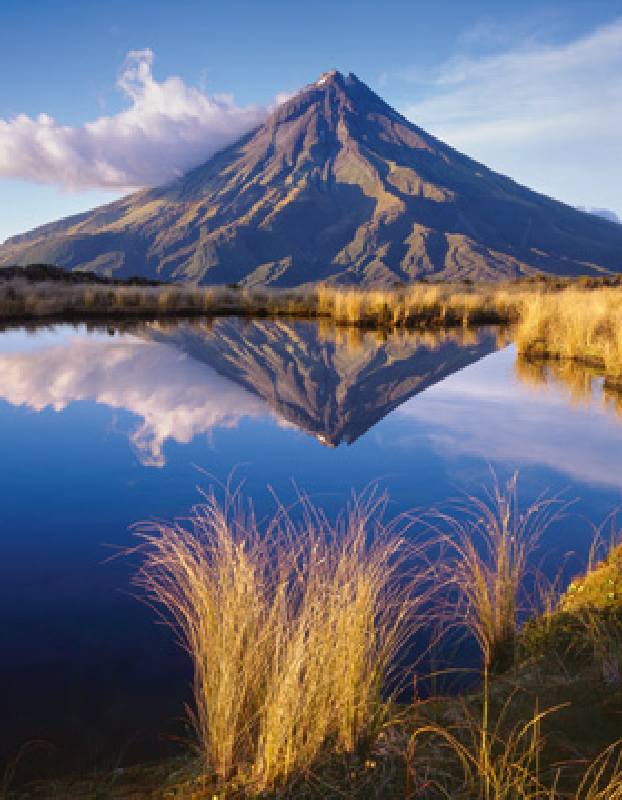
column 489, row 544
column 212, row 581
column 293, row 627
column 574, row 324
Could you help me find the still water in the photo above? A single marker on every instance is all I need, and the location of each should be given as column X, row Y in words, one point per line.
column 101, row 428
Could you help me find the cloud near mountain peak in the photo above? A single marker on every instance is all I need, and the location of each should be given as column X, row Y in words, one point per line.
column 167, row 128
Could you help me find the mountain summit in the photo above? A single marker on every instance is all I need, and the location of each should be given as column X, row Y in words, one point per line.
column 335, row 185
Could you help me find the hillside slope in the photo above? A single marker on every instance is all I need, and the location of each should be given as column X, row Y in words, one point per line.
column 337, row 186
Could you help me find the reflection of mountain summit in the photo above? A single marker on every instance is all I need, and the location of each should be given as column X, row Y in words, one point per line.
column 333, row 385
column 334, row 185
column 181, row 382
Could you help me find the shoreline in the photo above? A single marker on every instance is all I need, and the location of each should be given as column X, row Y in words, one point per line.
column 576, row 710
column 578, row 321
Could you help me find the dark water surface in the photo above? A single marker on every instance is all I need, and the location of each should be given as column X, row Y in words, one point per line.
column 102, row 428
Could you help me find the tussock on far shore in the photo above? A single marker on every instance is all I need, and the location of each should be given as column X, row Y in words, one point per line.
column 576, row 325
column 578, row 320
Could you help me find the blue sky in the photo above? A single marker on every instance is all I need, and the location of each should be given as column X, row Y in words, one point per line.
column 100, row 98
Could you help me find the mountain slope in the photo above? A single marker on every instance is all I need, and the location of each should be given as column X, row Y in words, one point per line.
column 335, row 185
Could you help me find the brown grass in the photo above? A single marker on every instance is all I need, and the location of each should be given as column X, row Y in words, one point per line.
column 572, row 325
column 484, row 745
column 574, row 322
column 561, row 319
column 293, row 629
column 489, row 542
column 603, row 778
column 478, row 760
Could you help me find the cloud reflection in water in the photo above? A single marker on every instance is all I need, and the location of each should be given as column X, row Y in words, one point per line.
column 175, row 397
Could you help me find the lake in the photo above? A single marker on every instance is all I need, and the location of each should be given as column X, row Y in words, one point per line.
column 102, row 427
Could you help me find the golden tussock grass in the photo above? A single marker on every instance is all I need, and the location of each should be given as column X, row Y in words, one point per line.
column 488, row 545
column 296, row 627
column 484, row 745
column 293, row 628
column 570, row 321
column 489, row 542
column 477, row 759
column 23, row 300
column 503, row 759
column 603, row 778
column 563, row 319
column 574, row 324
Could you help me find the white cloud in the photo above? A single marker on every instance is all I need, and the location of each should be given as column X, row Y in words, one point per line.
column 550, row 115
column 167, row 128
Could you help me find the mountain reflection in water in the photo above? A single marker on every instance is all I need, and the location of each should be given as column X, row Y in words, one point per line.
column 429, row 413
column 186, row 379
column 333, row 383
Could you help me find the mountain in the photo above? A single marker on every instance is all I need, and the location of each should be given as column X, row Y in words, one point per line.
column 335, row 185
column 333, row 385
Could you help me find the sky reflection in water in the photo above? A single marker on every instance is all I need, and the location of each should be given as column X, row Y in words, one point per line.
column 100, row 431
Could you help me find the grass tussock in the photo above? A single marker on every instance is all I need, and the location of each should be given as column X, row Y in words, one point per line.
column 568, row 322
column 296, row 628
column 24, row 300
column 509, row 758
column 489, row 545
column 487, row 744
column 498, row 761
column 293, row 629
column 489, row 542
column 573, row 325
